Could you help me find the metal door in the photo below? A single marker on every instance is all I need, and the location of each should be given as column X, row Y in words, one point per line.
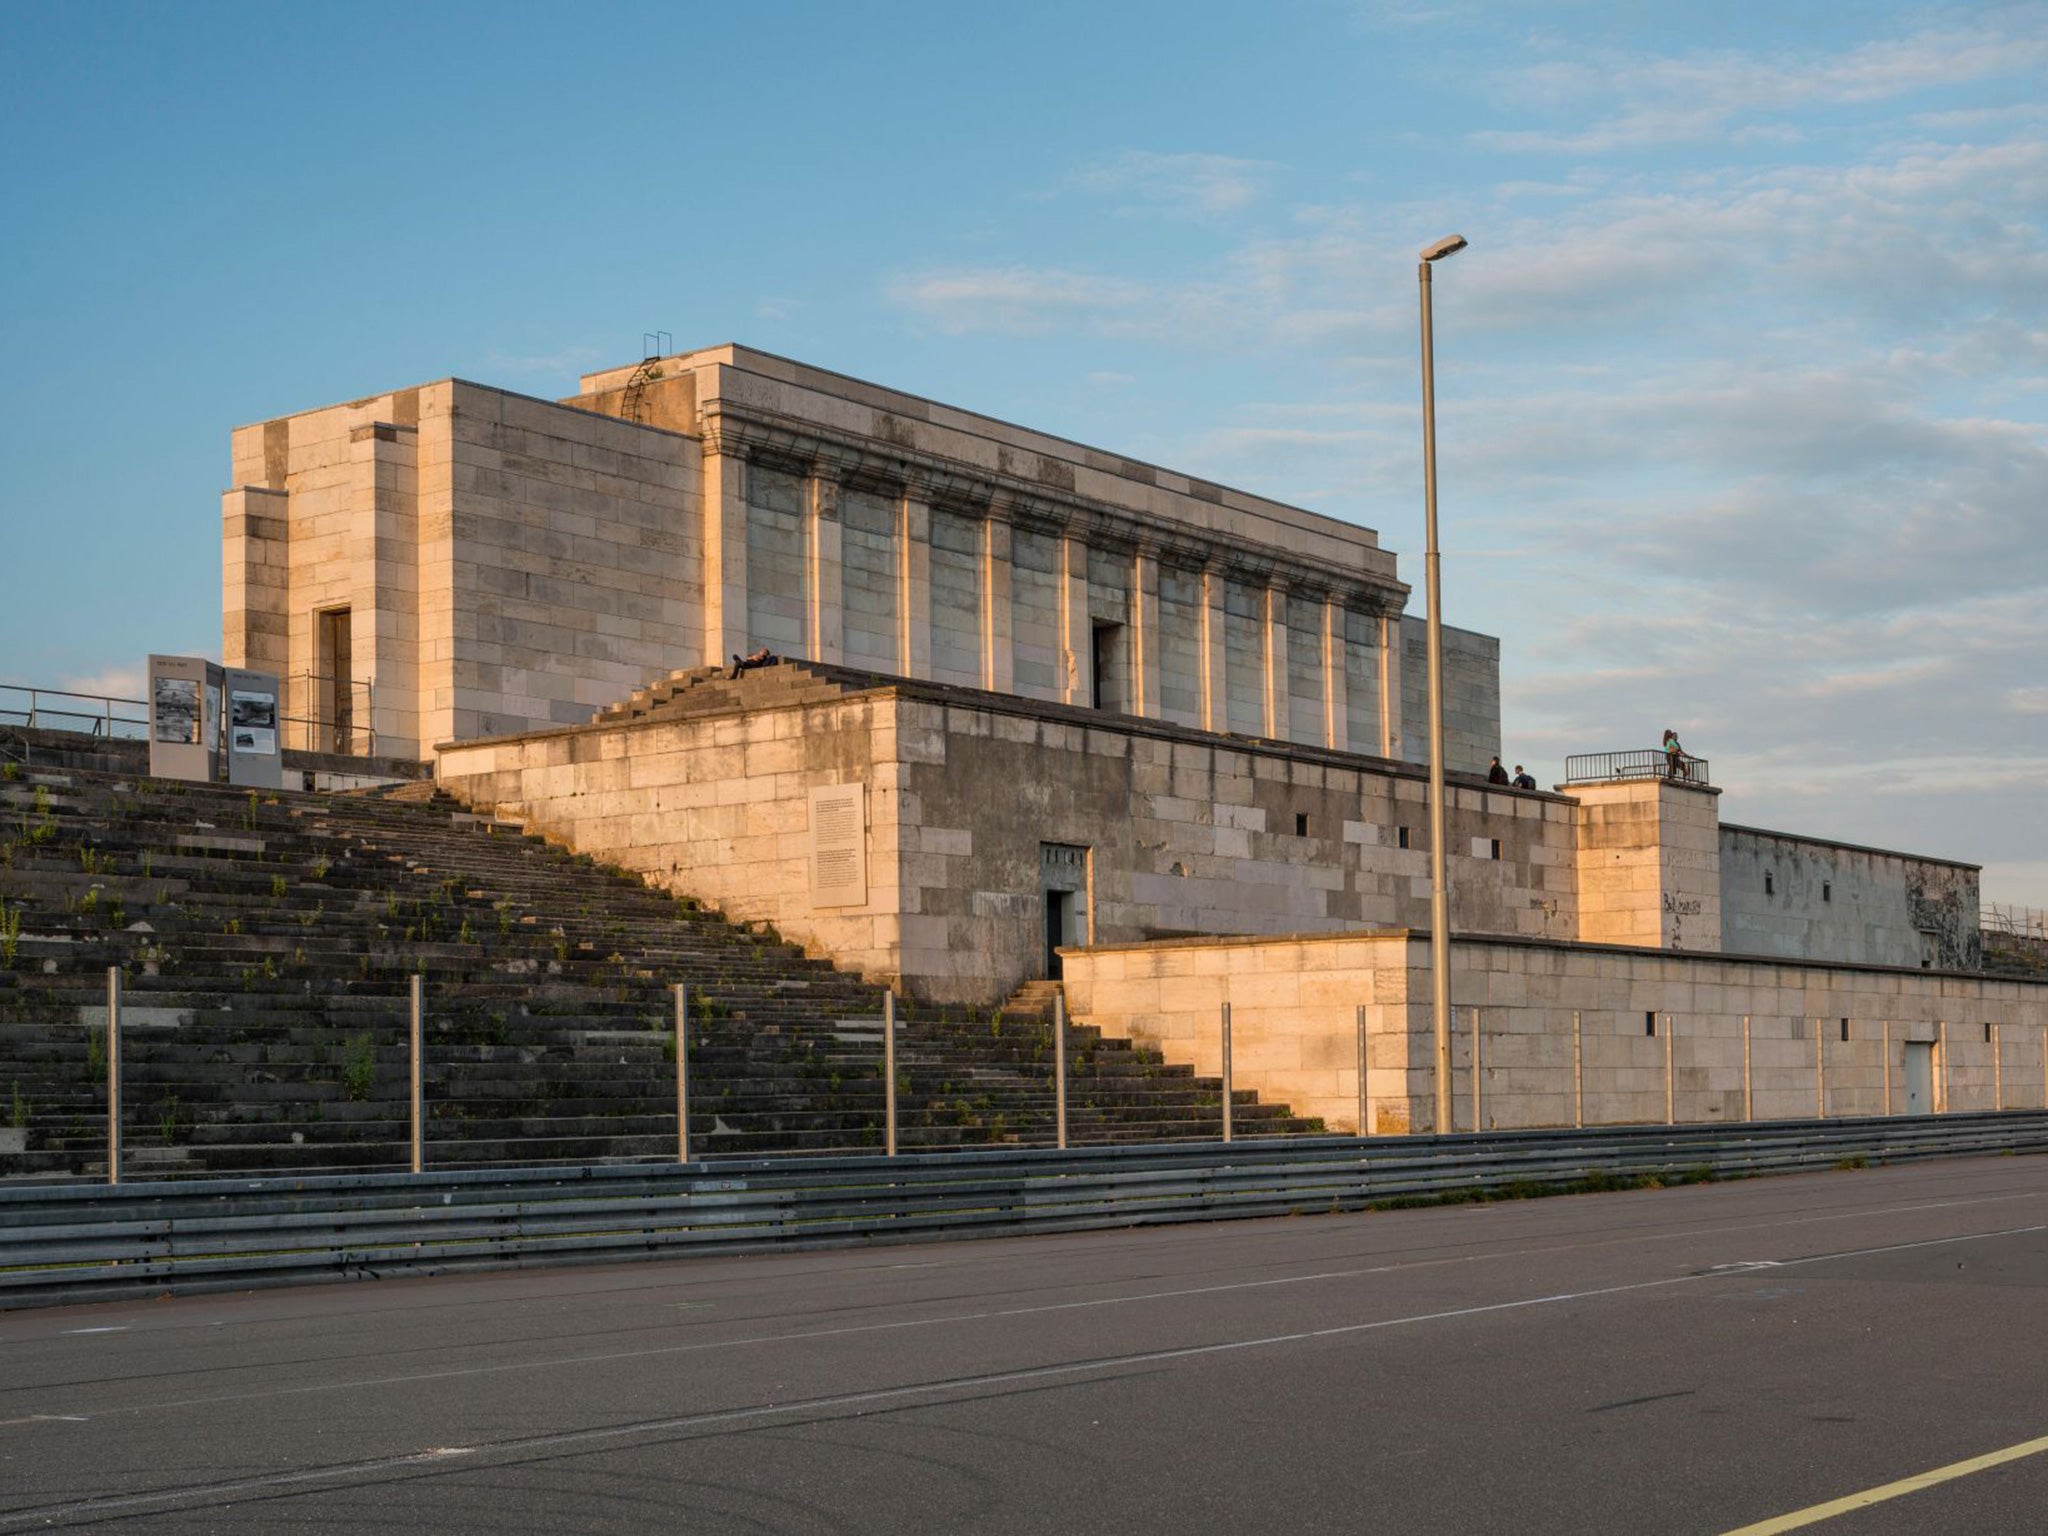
column 1919, row 1077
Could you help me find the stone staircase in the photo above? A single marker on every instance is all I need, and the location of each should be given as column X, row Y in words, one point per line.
column 708, row 690
column 267, row 941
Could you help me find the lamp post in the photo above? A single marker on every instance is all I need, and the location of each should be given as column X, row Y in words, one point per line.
column 1439, row 891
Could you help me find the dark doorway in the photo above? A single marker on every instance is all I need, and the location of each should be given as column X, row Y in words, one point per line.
column 1110, row 692
column 333, row 680
column 1059, row 918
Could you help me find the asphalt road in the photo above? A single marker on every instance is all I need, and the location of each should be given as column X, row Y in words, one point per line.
column 1686, row 1360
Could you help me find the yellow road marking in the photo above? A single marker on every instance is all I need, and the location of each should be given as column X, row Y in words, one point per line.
column 1816, row 1513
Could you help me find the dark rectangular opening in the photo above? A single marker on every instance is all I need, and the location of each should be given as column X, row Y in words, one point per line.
column 1827, row 890
column 334, row 669
column 1110, row 692
column 1845, row 1029
column 1300, row 824
column 1770, row 884
column 1649, row 1021
column 1987, row 1034
column 1401, row 837
column 1496, row 849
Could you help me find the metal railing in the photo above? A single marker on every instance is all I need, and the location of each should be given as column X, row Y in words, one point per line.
column 2015, row 922
column 1638, row 763
column 59, row 709
column 332, row 715
column 61, row 1244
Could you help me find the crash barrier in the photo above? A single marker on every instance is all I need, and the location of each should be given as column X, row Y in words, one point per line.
column 68, row 1243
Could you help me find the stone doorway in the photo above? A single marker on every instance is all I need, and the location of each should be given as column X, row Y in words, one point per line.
column 1063, row 882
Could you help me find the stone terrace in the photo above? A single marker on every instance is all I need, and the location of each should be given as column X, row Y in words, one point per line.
column 266, row 942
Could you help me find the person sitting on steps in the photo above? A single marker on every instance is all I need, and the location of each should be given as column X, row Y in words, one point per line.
column 761, row 658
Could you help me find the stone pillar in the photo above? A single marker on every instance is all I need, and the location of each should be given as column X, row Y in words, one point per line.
column 1215, row 648
column 1336, row 727
column 1077, row 635
column 825, row 595
column 1390, row 686
column 914, row 598
column 255, row 579
column 998, row 655
column 1145, row 657
column 1649, row 864
column 383, row 550
column 1275, row 659
column 725, row 556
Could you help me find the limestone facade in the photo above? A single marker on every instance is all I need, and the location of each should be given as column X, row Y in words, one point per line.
column 493, row 563
column 1175, row 831
column 1786, row 895
column 1570, row 1033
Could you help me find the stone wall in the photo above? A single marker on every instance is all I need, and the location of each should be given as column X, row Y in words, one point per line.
column 1649, row 864
column 511, row 563
column 1568, row 1033
column 1471, row 696
column 1787, row 895
column 1186, row 833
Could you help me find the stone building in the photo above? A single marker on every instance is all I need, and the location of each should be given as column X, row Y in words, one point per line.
column 1045, row 709
column 487, row 562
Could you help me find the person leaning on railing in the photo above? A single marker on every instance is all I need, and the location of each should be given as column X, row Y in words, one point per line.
column 1674, row 757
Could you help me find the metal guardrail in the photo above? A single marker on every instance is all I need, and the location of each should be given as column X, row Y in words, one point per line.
column 61, row 1243
column 1637, row 763
column 98, row 715
column 2014, row 922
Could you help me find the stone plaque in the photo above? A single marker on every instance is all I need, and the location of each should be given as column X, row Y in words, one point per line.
column 839, row 845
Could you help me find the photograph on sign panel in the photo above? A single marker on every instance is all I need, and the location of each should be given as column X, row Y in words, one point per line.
column 177, row 710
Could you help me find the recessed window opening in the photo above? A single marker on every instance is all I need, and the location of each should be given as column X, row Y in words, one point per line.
column 1496, row 849
column 1845, row 1029
column 1770, row 883
column 1401, row 836
column 1301, row 824
column 1987, row 1034
column 1649, row 1021
column 1827, row 890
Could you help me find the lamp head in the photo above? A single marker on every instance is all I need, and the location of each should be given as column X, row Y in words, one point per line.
column 1449, row 245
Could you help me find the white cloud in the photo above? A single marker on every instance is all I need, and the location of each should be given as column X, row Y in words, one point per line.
column 1013, row 298
column 1187, row 184
column 1662, row 99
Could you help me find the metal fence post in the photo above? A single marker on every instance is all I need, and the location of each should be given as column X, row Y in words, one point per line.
column 113, row 1074
column 1578, row 1075
column 2044, row 1066
column 1478, row 1121
column 1820, row 1068
column 1226, row 1071
column 682, row 1072
column 889, row 1071
column 1364, row 1093
column 419, row 1074
column 1998, row 1066
column 1941, row 1078
column 1748, row 1101
column 1670, row 1078
column 1887, row 1066
column 1059, row 1068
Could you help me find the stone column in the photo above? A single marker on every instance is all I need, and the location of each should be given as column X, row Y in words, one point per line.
column 1145, row 657
column 998, row 655
column 1390, row 685
column 1077, row 636
column 1215, row 649
column 725, row 556
column 1336, row 724
column 383, row 550
column 826, row 596
column 1275, row 659
column 914, row 597
column 255, row 579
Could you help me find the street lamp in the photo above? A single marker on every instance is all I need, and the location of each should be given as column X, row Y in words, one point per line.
column 1432, row 560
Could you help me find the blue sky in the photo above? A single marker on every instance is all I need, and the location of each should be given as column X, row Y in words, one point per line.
column 1744, row 426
